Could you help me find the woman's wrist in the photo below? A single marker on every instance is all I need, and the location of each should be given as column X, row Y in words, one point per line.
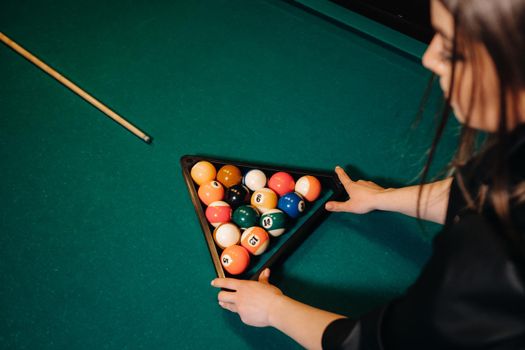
column 276, row 305
column 383, row 200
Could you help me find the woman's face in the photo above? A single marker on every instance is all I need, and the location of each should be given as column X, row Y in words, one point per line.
column 475, row 98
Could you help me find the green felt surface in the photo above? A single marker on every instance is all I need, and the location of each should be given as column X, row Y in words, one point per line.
column 100, row 247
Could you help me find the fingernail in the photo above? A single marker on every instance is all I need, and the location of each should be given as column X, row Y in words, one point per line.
column 328, row 206
column 338, row 167
column 267, row 272
column 212, row 282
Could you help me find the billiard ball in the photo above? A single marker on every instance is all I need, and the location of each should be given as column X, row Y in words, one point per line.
column 274, row 221
column 203, row 172
column 255, row 239
column 226, row 235
column 292, row 204
column 254, row 179
column 281, row 183
column 211, row 192
column 264, row 199
column 309, row 187
column 229, row 175
column 245, row 216
column 235, row 259
column 237, row 195
column 218, row 213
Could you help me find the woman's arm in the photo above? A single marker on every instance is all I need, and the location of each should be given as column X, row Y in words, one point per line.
column 366, row 196
column 261, row 304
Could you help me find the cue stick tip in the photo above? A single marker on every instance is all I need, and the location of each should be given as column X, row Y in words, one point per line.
column 148, row 139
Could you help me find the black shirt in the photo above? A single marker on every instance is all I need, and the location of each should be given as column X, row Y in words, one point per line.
column 471, row 292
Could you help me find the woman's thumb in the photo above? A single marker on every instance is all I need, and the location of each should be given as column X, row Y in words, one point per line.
column 264, row 277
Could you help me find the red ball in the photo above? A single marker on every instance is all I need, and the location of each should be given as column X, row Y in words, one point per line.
column 218, row 213
column 235, row 259
column 281, row 183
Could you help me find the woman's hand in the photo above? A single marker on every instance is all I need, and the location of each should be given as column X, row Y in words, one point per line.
column 363, row 195
column 252, row 300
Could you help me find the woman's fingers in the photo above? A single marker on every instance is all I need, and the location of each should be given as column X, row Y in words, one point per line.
column 228, row 306
column 226, row 297
column 344, row 178
column 337, row 206
column 228, row 283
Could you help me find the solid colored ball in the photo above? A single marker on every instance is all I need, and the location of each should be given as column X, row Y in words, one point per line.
column 309, row 187
column 292, row 204
column 255, row 179
column 203, row 172
column 226, row 235
column 255, row 239
column 211, row 192
column 218, row 213
column 235, row 259
column 274, row 221
column 229, row 175
column 237, row 195
column 245, row 216
column 281, row 183
column 264, row 199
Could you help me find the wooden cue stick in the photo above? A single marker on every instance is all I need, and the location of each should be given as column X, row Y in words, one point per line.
column 72, row 86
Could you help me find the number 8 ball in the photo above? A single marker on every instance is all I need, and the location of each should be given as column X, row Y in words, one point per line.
column 237, row 195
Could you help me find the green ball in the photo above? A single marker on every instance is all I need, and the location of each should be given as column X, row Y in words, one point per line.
column 274, row 221
column 245, row 216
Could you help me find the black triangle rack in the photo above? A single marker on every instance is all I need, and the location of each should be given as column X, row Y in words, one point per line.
column 280, row 247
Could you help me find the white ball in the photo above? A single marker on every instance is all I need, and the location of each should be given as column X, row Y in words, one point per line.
column 226, row 235
column 255, row 179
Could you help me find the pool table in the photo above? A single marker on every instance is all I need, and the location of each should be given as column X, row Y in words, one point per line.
column 100, row 246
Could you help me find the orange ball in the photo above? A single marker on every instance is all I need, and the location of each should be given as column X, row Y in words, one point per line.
column 229, row 175
column 255, row 240
column 235, row 259
column 309, row 187
column 203, row 172
column 210, row 192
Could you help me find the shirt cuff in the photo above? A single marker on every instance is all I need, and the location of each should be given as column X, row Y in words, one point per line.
column 337, row 332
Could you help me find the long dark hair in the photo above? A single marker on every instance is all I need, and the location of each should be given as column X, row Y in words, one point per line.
column 500, row 27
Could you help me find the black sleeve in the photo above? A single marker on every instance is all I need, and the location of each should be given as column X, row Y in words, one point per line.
column 469, row 295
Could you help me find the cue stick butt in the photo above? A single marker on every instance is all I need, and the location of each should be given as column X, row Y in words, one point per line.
column 73, row 87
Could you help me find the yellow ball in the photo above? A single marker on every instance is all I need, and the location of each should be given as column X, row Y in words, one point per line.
column 264, row 199
column 203, row 172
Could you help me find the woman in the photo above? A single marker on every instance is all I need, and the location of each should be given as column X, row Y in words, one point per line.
column 471, row 293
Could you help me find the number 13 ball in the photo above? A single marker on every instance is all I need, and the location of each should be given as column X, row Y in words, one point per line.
column 255, row 240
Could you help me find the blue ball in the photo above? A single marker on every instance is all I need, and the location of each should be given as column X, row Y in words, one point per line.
column 292, row 204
